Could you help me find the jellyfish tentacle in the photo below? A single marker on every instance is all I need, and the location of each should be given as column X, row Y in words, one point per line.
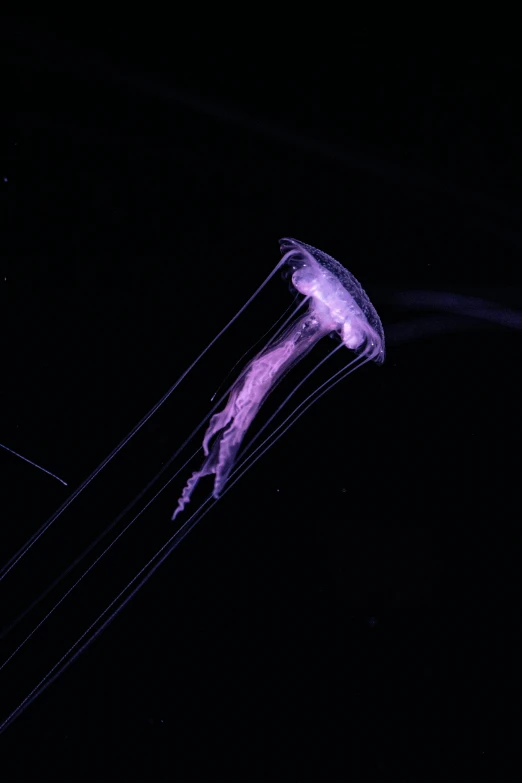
column 5, row 630
column 94, row 630
column 25, row 459
column 20, row 553
column 77, row 560
column 119, row 603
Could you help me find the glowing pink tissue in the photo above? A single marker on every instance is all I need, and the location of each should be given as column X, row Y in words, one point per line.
column 336, row 303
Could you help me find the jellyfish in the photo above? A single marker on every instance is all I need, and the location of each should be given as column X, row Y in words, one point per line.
column 336, row 304
column 330, row 301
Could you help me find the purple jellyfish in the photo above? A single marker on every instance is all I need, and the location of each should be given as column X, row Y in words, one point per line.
column 336, row 304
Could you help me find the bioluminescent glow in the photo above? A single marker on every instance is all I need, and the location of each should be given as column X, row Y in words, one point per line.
column 330, row 301
column 336, row 304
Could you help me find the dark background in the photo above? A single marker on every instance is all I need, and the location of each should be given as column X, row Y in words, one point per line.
column 342, row 609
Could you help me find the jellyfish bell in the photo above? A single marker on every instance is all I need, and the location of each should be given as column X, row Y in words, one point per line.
column 330, row 284
column 336, row 304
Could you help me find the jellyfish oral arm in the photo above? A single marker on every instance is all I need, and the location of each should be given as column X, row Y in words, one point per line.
column 230, row 425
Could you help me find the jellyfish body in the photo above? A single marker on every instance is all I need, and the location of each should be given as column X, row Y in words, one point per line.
column 336, row 304
column 330, row 302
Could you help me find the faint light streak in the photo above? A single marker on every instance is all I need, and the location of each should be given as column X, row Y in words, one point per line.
column 34, row 464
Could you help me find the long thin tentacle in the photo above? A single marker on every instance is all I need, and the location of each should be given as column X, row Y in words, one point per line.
column 153, row 564
column 33, row 463
column 7, row 629
column 40, row 532
column 134, row 502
